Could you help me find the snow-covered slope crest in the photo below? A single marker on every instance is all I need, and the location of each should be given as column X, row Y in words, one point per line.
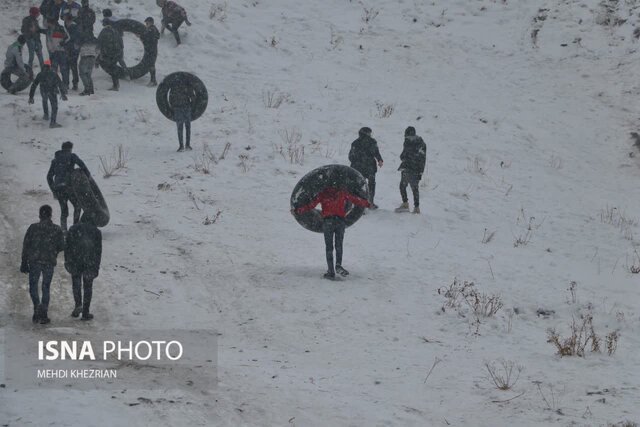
column 526, row 108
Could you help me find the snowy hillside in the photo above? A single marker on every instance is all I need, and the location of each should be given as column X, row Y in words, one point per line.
column 532, row 184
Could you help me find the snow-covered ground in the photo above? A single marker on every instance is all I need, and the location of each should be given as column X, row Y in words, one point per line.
column 526, row 108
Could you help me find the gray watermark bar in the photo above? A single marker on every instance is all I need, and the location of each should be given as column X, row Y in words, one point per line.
column 109, row 359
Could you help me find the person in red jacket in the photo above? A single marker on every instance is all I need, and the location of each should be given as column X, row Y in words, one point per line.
column 334, row 209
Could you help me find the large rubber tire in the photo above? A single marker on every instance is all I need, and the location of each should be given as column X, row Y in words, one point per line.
column 6, row 82
column 182, row 78
column 339, row 176
column 142, row 67
column 89, row 198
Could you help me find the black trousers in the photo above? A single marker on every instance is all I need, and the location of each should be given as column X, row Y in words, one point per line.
column 173, row 26
column 64, row 198
column 50, row 97
column 83, row 290
column 333, row 228
column 412, row 180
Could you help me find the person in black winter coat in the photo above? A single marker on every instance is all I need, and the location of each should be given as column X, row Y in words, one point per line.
column 365, row 158
column 31, row 31
column 58, row 177
column 50, row 85
column 82, row 256
column 111, row 47
column 413, row 160
column 181, row 98
column 72, row 47
column 150, row 41
column 86, row 18
column 51, row 9
column 40, row 248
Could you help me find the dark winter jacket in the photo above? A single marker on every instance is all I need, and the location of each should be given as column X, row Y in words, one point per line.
column 41, row 244
column 363, row 155
column 83, row 249
column 414, row 155
column 49, row 9
column 181, row 96
column 31, row 29
column 72, row 45
column 49, row 83
column 61, row 167
column 110, row 44
column 334, row 202
column 173, row 13
column 86, row 19
column 150, row 39
column 73, row 10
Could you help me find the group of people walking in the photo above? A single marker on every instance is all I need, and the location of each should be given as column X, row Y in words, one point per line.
column 74, row 50
column 365, row 158
column 82, row 244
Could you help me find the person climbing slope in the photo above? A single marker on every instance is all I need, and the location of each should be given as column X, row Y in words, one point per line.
column 334, row 209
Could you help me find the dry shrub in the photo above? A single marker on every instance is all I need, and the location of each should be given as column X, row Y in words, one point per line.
column 115, row 162
column 459, row 294
column 582, row 337
column 504, row 374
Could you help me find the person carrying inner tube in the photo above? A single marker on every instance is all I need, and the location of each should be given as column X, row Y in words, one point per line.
column 13, row 63
column 366, row 159
column 111, row 54
column 181, row 97
column 334, row 209
column 173, row 15
column 62, row 165
column 50, row 85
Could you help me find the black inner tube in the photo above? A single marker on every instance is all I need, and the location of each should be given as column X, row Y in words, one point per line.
column 339, row 176
column 6, row 82
column 198, row 107
column 141, row 68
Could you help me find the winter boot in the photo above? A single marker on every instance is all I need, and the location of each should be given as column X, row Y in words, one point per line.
column 86, row 316
column 404, row 207
column 36, row 314
column 44, row 319
column 329, row 275
column 76, row 311
column 181, row 148
column 188, row 147
column 341, row 271
column 75, row 86
column 373, row 206
column 416, row 210
column 54, row 125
